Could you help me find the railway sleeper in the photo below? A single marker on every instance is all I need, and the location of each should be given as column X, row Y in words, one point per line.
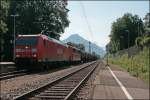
column 62, row 87
column 72, row 80
column 50, row 97
column 53, row 94
column 11, row 76
column 70, row 83
column 54, row 89
column 76, row 78
column 56, row 92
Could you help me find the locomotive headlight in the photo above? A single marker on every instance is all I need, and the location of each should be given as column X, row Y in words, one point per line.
column 18, row 50
column 17, row 55
column 34, row 55
column 34, row 50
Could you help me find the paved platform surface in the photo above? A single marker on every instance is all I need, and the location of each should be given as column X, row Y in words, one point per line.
column 7, row 66
column 120, row 86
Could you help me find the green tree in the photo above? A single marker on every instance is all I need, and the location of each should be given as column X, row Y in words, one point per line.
column 3, row 15
column 4, row 4
column 35, row 16
column 38, row 15
column 146, row 23
column 124, row 32
column 144, row 39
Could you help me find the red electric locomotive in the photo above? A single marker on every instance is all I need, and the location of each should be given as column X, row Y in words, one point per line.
column 41, row 49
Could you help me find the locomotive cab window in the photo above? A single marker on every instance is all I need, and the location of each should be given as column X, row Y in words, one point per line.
column 27, row 41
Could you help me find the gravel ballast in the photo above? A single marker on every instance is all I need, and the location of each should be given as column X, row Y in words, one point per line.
column 13, row 87
column 86, row 92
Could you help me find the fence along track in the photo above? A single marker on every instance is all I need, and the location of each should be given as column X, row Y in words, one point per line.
column 62, row 88
column 9, row 75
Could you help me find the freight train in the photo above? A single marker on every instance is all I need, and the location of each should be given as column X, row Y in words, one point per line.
column 44, row 51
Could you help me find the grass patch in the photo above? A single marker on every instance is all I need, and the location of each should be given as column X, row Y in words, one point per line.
column 137, row 65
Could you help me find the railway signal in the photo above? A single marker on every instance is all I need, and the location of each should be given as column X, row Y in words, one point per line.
column 107, row 50
column 16, row 15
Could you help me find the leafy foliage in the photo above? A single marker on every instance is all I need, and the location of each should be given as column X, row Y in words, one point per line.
column 124, row 32
column 147, row 23
column 38, row 15
column 137, row 65
column 143, row 41
column 4, row 5
column 35, row 16
column 3, row 14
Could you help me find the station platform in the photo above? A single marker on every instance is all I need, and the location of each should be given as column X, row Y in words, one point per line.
column 112, row 82
column 7, row 66
column 7, row 63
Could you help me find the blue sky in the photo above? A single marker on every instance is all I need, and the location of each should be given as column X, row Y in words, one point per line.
column 100, row 15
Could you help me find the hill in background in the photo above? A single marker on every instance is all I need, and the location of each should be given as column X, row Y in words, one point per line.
column 75, row 38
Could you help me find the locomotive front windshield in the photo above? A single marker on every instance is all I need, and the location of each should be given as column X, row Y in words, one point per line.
column 27, row 41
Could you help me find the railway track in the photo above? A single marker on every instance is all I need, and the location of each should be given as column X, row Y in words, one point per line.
column 9, row 75
column 62, row 88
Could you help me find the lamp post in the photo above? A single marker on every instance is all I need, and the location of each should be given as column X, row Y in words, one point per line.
column 14, row 16
column 107, row 49
column 127, row 31
column 121, row 37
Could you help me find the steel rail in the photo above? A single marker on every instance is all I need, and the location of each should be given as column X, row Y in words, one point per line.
column 53, row 83
column 73, row 92
column 6, row 73
column 12, row 74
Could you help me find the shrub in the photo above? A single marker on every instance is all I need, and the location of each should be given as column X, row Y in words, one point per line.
column 137, row 65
